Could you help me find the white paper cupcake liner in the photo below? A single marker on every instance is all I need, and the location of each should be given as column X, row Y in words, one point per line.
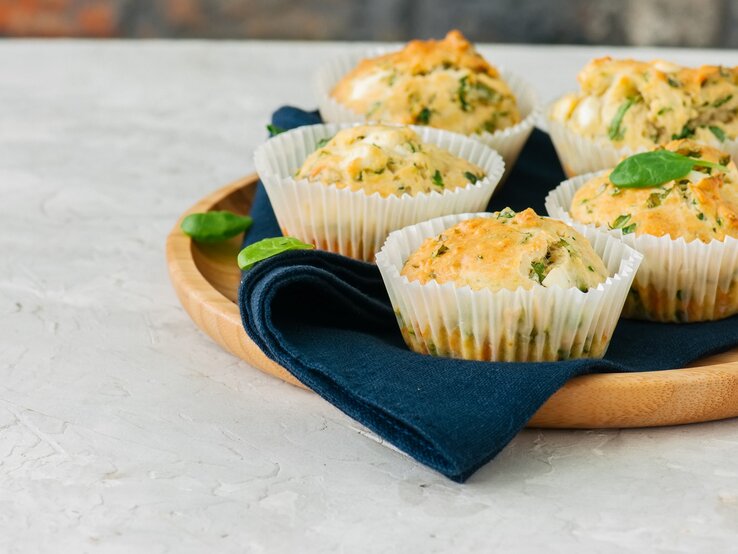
column 539, row 324
column 678, row 281
column 354, row 223
column 579, row 155
column 508, row 142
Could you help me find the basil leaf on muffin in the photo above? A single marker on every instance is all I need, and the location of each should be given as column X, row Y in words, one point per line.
column 683, row 190
column 651, row 169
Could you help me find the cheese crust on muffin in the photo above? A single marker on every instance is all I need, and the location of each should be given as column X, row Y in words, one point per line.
column 508, row 251
column 444, row 84
column 703, row 205
column 642, row 104
column 389, row 160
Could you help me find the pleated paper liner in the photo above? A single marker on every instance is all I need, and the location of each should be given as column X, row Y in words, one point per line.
column 354, row 223
column 538, row 324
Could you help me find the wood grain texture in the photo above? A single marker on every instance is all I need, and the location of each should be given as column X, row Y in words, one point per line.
column 206, row 279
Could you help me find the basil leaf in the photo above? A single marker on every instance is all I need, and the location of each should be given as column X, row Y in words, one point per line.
column 322, row 142
column 537, row 270
column 215, row 226
column 721, row 101
column 654, row 200
column 275, row 129
column 686, row 132
column 488, row 94
column 267, row 248
column 440, row 251
column 471, row 177
column 438, row 179
column 462, row 93
column 650, row 169
column 718, row 132
column 423, row 117
column 629, row 229
column 620, row 221
column 615, row 132
column 705, row 163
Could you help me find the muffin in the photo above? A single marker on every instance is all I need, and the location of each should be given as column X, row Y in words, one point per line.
column 388, row 160
column 687, row 228
column 506, row 286
column 344, row 188
column 508, row 251
column 444, row 84
column 626, row 106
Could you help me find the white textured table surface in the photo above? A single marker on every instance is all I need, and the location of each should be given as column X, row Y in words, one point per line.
column 125, row 429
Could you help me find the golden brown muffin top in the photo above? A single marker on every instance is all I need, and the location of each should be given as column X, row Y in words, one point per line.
column 641, row 104
column 445, row 84
column 703, row 205
column 387, row 159
column 508, row 251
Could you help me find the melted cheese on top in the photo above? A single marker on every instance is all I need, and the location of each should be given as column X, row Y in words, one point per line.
column 508, row 251
column 703, row 205
column 641, row 104
column 444, row 84
column 387, row 160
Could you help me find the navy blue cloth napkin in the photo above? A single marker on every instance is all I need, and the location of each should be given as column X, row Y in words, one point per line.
column 327, row 319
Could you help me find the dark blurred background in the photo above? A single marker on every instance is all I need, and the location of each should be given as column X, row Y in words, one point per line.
column 707, row 23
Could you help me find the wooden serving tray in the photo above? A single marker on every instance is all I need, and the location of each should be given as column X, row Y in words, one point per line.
column 206, row 279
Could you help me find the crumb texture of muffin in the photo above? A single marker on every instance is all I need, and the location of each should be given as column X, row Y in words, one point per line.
column 445, row 84
column 703, row 205
column 641, row 104
column 508, row 251
column 389, row 160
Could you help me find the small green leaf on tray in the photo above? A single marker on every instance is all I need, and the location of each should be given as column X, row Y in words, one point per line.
column 215, row 226
column 651, row 169
column 267, row 248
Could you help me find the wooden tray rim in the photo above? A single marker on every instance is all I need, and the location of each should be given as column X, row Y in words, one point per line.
column 218, row 316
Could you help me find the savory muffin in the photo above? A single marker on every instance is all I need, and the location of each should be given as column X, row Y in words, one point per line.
column 686, row 228
column 344, row 189
column 641, row 104
column 389, row 160
column 444, row 84
column 508, row 251
column 703, row 205
column 506, row 286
